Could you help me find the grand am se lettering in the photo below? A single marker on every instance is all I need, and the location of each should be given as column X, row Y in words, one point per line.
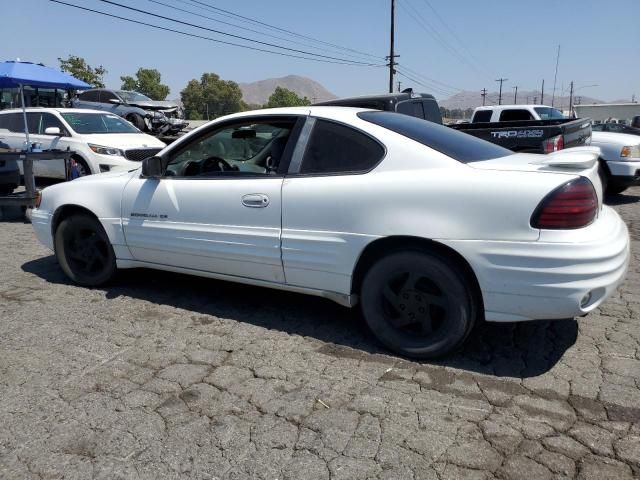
column 426, row 229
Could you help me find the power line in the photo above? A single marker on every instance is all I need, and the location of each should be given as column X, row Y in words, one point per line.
column 453, row 33
column 432, row 80
column 273, row 27
column 200, row 15
column 240, row 37
column 224, row 42
column 409, row 77
column 420, row 20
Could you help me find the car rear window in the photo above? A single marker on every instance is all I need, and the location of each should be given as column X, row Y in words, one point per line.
column 482, row 116
column 457, row 145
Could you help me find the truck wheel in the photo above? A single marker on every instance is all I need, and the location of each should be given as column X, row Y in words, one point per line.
column 137, row 121
column 82, row 167
column 84, row 251
column 418, row 304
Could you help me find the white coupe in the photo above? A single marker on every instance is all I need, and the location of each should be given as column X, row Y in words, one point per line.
column 430, row 230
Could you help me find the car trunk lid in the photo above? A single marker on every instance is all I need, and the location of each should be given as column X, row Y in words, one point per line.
column 578, row 161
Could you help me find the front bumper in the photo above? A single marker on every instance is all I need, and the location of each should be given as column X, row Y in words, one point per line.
column 624, row 173
column 41, row 222
column 549, row 280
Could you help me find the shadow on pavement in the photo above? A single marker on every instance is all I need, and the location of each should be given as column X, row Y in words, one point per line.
column 505, row 350
column 621, row 199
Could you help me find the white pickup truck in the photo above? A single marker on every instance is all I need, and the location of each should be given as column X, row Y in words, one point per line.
column 619, row 152
column 619, row 159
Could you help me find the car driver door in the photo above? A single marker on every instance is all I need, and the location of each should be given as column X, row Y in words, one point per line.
column 218, row 206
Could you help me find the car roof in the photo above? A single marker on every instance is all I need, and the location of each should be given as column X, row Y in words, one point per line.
column 502, row 107
column 53, row 110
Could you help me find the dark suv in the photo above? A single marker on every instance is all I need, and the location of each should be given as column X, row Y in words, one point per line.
column 421, row 105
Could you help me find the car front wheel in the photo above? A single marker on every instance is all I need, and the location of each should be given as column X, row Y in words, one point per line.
column 418, row 304
column 84, row 251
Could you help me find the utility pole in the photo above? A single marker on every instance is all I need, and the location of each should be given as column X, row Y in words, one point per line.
column 501, row 80
column 571, row 98
column 542, row 93
column 399, row 85
column 555, row 78
column 392, row 54
column 483, row 95
column 515, row 96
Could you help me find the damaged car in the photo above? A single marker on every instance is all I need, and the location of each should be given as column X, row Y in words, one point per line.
column 157, row 117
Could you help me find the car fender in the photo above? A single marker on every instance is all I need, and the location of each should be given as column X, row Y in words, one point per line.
column 57, row 200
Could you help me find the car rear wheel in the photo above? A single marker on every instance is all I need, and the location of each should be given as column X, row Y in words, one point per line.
column 418, row 304
column 84, row 251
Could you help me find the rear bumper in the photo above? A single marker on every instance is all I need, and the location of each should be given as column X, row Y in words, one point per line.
column 544, row 280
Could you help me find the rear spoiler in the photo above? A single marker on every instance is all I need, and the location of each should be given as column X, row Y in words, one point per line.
column 577, row 158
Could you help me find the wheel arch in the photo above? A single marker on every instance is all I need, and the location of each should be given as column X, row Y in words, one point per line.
column 384, row 246
column 66, row 211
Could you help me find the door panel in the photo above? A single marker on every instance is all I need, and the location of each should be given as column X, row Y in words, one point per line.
column 202, row 224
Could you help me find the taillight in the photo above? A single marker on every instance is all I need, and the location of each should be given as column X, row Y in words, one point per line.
column 553, row 144
column 572, row 205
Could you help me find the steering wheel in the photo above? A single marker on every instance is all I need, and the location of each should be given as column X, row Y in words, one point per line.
column 216, row 164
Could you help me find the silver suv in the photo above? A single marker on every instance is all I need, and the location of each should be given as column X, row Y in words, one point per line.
column 151, row 116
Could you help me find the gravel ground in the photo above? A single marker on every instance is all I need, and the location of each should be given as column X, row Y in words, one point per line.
column 169, row 376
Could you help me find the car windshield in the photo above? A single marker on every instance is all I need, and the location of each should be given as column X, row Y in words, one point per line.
column 89, row 123
column 457, row 145
column 548, row 113
column 132, row 96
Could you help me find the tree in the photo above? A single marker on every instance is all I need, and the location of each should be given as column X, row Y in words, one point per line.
column 77, row 66
column 211, row 97
column 283, row 97
column 147, row 82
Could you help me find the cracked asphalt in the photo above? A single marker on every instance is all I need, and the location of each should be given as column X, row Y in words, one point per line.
column 167, row 376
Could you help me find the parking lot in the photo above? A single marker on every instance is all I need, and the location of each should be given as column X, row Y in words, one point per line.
column 167, row 376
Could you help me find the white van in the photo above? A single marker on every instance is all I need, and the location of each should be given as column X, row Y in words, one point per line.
column 102, row 142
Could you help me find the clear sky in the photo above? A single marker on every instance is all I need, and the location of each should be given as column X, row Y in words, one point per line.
column 462, row 44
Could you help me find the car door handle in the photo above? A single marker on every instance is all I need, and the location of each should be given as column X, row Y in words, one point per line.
column 255, row 200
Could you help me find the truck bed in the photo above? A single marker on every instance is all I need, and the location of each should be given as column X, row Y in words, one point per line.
column 529, row 135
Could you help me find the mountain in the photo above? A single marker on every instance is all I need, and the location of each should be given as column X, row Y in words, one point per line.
column 259, row 92
column 467, row 99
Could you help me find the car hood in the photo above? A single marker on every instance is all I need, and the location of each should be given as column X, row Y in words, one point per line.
column 155, row 104
column 621, row 139
column 124, row 141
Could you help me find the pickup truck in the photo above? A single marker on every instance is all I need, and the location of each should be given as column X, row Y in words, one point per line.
column 619, row 160
column 421, row 105
column 527, row 128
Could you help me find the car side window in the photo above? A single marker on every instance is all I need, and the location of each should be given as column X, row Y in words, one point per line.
column 515, row 115
column 336, row 148
column 250, row 148
column 50, row 120
column 412, row 107
column 482, row 116
column 106, row 96
column 89, row 96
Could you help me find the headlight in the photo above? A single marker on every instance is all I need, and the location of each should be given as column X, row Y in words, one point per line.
column 106, row 150
column 630, row 152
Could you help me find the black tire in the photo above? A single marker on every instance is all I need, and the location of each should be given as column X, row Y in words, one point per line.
column 613, row 189
column 84, row 251
column 82, row 167
column 418, row 304
column 138, row 121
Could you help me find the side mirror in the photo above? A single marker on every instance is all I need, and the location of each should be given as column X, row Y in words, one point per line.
column 152, row 167
column 53, row 131
column 117, row 101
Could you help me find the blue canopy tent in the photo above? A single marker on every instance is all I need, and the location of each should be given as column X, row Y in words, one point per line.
column 16, row 74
